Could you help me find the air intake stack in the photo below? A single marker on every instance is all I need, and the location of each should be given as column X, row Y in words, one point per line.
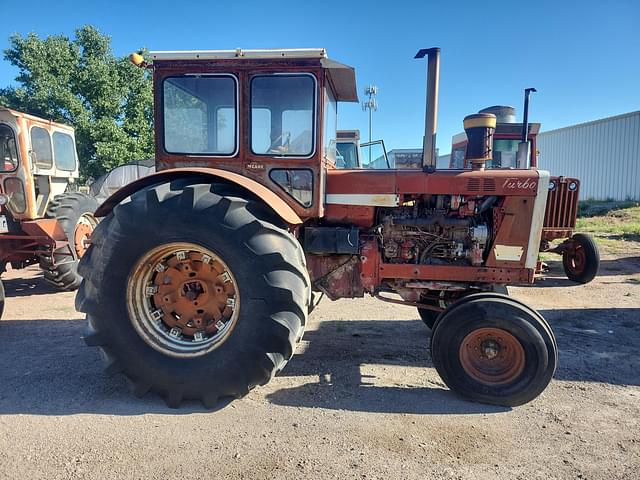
column 479, row 128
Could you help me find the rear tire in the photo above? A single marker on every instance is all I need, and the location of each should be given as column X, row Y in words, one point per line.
column 1, row 299
column 270, row 290
column 581, row 263
column 491, row 349
column 74, row 212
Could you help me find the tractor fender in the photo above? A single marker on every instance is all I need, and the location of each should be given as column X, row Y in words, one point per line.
column 273, row 201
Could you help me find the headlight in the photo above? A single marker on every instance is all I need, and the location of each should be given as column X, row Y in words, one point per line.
column 573, row 186
column 15, row 192
column 552, row 186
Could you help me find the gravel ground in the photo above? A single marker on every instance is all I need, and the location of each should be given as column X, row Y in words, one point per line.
column 359, row 400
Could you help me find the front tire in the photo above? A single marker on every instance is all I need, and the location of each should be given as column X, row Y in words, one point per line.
column 74, row 212
column 430, row 317
column 582, row 260
column 494, row 350
column 172, row 246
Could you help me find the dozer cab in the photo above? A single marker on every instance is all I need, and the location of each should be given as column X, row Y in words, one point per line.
column 579, row 251
column 199, row 279
column 40, row 220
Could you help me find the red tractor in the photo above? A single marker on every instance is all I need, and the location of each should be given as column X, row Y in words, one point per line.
column 580, row 253
column 198, row 281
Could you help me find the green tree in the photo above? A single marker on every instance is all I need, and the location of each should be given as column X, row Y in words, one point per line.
column 81, row 82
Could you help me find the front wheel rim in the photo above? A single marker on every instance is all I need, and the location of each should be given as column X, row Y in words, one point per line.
column 577, row 261
column 82, row 233
column 183, row 299
column 492, row 356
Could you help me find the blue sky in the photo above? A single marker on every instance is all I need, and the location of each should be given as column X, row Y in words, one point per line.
column 582, row 56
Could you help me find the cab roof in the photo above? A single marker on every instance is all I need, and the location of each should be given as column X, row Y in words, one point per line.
column 342, row 77
column 33, row 118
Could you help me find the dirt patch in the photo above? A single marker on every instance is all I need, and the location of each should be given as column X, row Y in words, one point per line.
column 360, row 399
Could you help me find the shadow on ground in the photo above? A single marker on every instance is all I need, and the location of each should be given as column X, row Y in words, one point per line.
column 46, row 369
column 25, row 287
column 596, row 345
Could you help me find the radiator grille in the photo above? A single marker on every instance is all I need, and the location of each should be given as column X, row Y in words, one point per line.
column 489, row 185
column 473, row 185
column 562, row 203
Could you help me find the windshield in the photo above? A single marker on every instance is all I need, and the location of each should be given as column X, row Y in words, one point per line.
column 8, row 151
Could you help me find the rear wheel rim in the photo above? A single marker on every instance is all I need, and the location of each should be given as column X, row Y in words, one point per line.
column 492, row 356
column 183, row 299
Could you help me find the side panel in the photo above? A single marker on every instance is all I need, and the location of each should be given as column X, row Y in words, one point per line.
column 441, row 182
column 360, row 216
column 510, row 244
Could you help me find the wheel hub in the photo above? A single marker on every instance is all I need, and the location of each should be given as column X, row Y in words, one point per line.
column 184, row 299
column 577, row 260
column 192, row 290
column 492, row 356
column 490, row 349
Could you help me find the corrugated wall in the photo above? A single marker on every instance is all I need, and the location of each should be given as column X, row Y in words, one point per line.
column 604, row 155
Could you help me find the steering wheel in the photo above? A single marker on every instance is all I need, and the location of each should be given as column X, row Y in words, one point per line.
column 275, row 148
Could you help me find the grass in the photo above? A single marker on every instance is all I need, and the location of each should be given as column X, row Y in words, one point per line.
column 622, row 222
column 598, row 208
column 612, row 223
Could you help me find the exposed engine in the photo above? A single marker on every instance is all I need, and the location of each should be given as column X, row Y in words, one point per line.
column 436, row 230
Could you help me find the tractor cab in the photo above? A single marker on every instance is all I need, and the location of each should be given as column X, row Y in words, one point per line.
column 351, row 154
column 269, row 116
column 37, row 161
column 40, row 221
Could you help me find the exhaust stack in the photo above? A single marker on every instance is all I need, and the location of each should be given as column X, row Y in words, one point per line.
column 522, row 157
column 431, row 113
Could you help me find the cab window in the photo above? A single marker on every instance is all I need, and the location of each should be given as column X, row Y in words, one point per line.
column 200, row 116
column 41, row 147
column 282, row 115
column 504, row 154
column 330, row 126
column 64, row 151
column 457, row 157
column 8, row 151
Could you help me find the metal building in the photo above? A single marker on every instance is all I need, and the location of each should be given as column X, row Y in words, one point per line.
column 603, row 154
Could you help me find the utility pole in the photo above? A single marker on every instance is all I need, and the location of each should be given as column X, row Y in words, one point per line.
column 370, row 104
